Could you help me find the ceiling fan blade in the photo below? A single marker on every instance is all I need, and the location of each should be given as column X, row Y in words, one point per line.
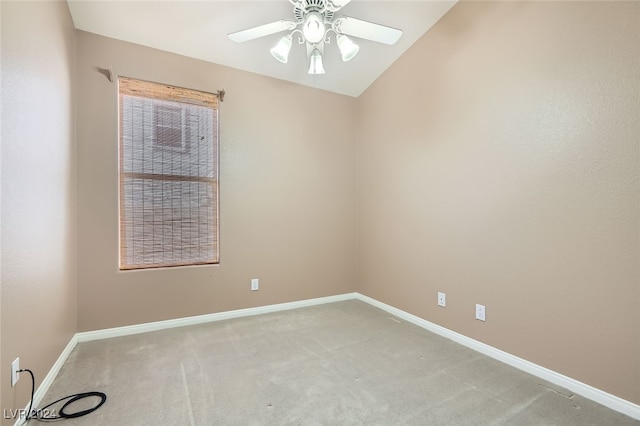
column 262, row 30
column 367, row 30
column 335, row 5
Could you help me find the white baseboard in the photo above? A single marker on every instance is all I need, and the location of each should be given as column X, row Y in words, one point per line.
column 49, row 378
column 200, row 319
column 611, row 401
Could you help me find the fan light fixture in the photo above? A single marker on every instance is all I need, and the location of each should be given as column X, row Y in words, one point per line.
column 314, row 20
column 313, row 28
column 281, row 50
column 348, row 49
column 315, row 63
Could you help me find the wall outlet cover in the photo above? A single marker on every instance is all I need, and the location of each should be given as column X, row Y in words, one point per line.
column 15, row 366
column 480, row 312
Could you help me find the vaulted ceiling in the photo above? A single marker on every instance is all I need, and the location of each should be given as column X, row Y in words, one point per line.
column 199, row 29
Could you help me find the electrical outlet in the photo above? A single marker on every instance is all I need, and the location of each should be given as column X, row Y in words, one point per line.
column 15, row 366
column 255, row 284
column 480, row 312
column 442, row 299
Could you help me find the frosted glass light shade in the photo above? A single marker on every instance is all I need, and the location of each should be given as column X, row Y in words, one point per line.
column 315, row 63
column 313, row 28
column 281, row 50
column 348, row 49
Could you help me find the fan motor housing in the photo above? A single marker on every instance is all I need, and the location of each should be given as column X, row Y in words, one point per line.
column 313, row 6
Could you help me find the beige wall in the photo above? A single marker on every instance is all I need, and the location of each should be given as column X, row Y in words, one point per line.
column 287, row 192
column 506, row 172
column 38, row 191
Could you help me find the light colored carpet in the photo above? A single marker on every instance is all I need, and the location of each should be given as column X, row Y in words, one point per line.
column 344, row 363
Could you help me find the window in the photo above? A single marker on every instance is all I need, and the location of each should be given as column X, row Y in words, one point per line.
column 168, row 175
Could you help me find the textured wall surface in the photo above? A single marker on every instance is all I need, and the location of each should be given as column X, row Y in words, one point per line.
column 287, row 192
column 499, row 163
column 38, row 191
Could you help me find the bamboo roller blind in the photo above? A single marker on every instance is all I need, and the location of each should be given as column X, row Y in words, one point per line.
column 168, row 175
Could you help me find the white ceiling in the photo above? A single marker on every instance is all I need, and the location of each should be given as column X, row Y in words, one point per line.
column 199, row 29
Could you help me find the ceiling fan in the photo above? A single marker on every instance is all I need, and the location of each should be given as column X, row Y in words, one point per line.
column 313, row 20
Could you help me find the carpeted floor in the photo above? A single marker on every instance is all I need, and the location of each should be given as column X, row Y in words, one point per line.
column 344, row 363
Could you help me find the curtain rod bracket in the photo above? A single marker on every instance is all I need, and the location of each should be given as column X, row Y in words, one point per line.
column 107, row 72
column 221, row 95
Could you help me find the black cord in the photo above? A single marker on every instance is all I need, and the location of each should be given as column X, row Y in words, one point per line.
column 71, row 399
column 33, row 387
